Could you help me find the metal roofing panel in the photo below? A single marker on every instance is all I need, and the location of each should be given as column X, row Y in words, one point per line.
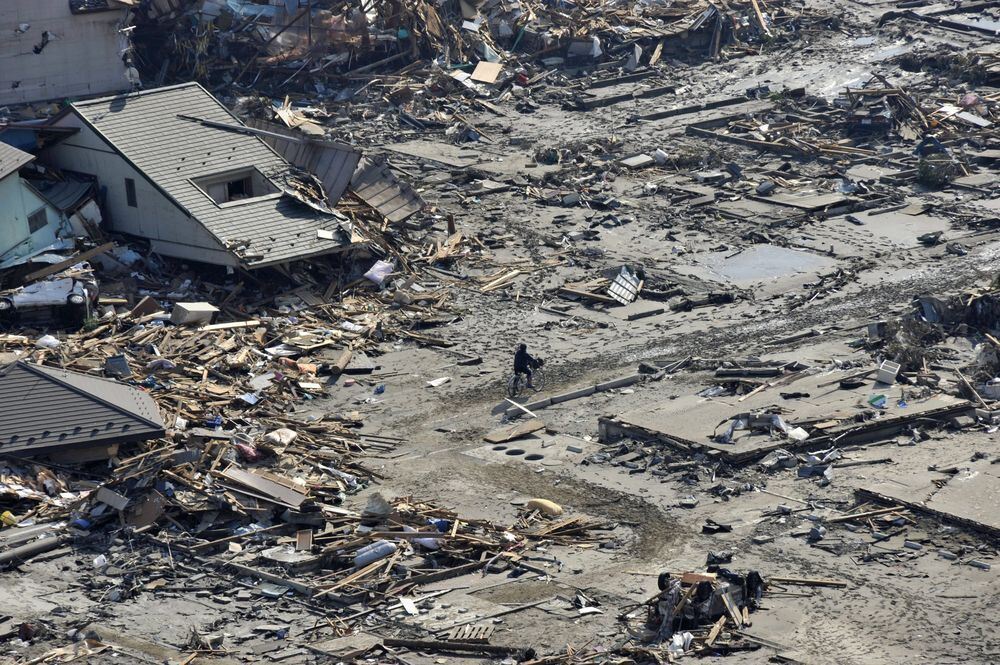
column 65, row 194
column 333, row 163
column 379, row 187
column 146, row 128
column 47, row 409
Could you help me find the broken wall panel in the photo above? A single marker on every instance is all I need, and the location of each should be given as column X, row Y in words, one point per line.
column 333, row 163
column 376, row 184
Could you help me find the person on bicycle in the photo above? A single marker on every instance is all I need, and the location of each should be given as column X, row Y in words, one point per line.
column 524, row 363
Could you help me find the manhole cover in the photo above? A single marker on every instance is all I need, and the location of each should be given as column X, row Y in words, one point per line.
column 515, row 451
column 534, row 457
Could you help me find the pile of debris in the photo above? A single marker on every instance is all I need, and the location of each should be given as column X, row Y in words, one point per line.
column 270, row 46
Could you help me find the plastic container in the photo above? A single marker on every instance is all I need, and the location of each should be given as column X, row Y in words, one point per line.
column 887, row 372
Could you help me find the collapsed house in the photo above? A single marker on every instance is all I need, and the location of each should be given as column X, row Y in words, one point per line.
column 49, row 410
column 29, row 222
column 182, row 172
column 43, row 214
column 54, row 49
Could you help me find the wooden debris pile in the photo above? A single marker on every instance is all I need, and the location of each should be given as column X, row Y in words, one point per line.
column 270, row 352
column 863, row 121
column 277, row 535
column 242, row 43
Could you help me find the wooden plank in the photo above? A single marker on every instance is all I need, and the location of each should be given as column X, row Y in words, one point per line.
column 265, row 487
column 494, row 615
column 579, row 293
column 657, row 52
column 804, row 581
column 437, row 576
column 520, row 407
column 275, row 579
column 760, row 17
column 684, row 599
column 212, row 543
column 870, row 513
column 62, row 265
column 487, row 72
column 513, row 432
column 353, row 577
column 734, row 612
column 972, row 391
column 716, row 629
column 500, row 281
column 230, row 326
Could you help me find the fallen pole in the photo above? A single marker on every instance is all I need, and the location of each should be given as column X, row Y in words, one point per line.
column 24, row 552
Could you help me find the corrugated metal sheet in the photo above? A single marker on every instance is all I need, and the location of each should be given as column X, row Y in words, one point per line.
column 45, row 409
column 171, row 151
column 379, row 187
column 12, row 159
column 65, row 194
column 333, row 163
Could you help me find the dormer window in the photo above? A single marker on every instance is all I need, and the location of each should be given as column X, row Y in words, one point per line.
column 235, row 187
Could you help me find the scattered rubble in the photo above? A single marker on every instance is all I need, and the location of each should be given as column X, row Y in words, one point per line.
column 264, row 266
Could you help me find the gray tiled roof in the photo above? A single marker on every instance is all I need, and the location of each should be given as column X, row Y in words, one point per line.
column 45, row 409
column 170, row 150
column 11, row 159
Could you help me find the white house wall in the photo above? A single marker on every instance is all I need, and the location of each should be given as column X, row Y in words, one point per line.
column 156, row 217
column 82, row 58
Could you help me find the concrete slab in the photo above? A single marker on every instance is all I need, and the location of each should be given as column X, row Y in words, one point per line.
column 970, row 497
column 897, row 227
column 692, row 420
column 543, row 449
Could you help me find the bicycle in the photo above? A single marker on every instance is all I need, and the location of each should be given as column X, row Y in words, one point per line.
column 518, row 381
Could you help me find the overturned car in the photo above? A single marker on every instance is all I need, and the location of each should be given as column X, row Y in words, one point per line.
column 68, row 297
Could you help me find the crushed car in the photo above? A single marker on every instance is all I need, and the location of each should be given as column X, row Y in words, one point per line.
column 68, row 297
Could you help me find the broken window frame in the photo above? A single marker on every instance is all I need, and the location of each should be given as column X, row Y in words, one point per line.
column 250, row 174
column 33, row 226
